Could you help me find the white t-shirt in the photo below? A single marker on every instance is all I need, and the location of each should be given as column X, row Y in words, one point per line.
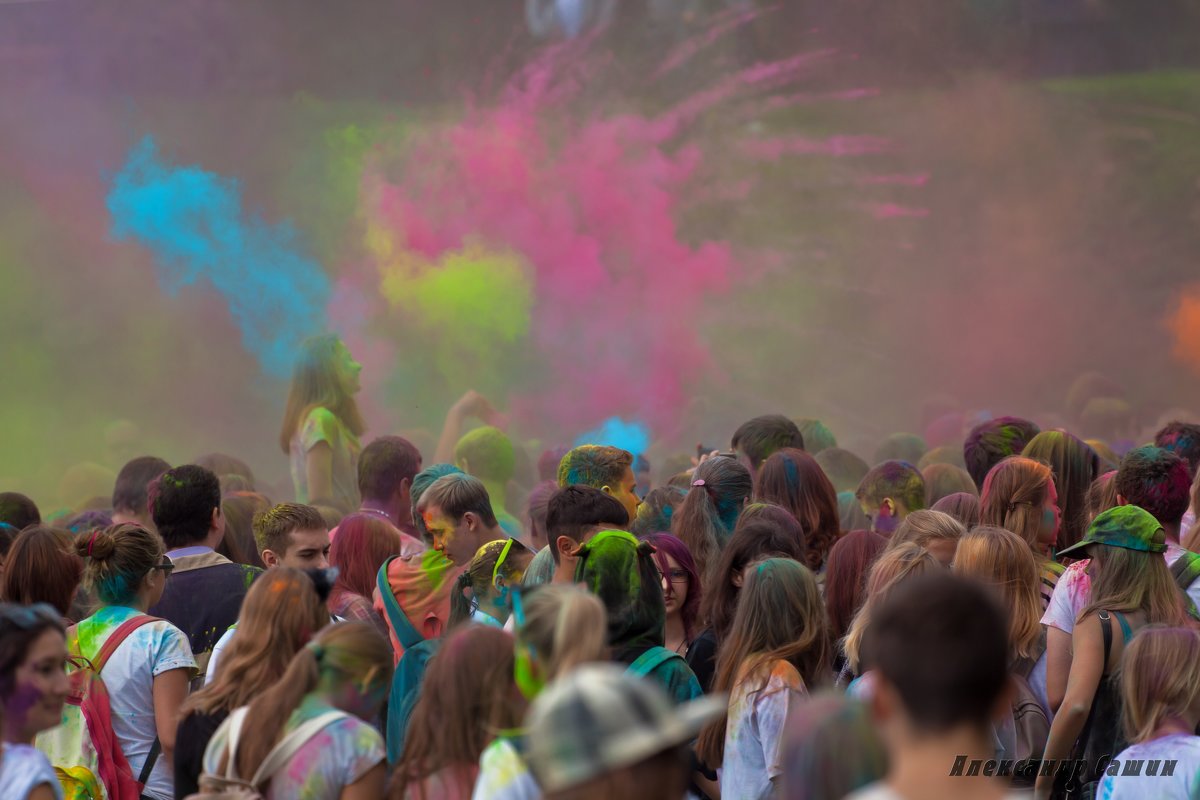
column 503, row 775
column 1181, row 783
column 217, row 650
column 151, row 650
column 754, row 732
column 881, row 791
column 1074, row 592
column 23, row 769
column 341, row 754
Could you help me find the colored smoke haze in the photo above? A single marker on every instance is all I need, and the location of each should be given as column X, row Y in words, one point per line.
column 194, row 223
column 586, row 210
column 1184, row 324
column 616, row 432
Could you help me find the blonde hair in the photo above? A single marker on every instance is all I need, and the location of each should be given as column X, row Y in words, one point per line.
column 893, row 566
column 1192, row 537
column 1133, row 580
column 1160, row 678
column 566, row 626
column 281, row 613
column 1013, row 495
column 1000, row 558
column 480, row 573
column 923, row 527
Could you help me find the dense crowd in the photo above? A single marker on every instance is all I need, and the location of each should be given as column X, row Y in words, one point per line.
column 1011, row 612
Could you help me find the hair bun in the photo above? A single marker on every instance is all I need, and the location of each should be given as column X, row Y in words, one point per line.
column 98, row 545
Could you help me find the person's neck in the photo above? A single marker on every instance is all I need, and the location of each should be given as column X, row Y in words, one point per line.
column 387, row 509
column 676, row 634
column 926, row 767
column 1172, row 533
column 14, row 733
column 497, row 492
column 564, row 572
column 1174, row 726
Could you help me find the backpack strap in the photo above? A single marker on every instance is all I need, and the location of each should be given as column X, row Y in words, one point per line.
column 288, row 746
column 650, row 660
column 1185, row 570
column 118, row 636
column 407, row 635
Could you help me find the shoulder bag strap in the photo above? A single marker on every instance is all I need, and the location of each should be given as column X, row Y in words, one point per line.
column 649, row 661
column 288, row 746
column 407, row 635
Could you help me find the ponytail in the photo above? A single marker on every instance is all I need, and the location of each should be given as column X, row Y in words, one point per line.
column 708, row 515
column 460, row 605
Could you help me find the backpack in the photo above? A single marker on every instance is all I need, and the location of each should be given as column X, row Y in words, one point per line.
column 410, row 672
column 230, row 787
column 84, row 750
column 645, row 665
column 650, row 660
column 1031, row 723
column 1185, row 570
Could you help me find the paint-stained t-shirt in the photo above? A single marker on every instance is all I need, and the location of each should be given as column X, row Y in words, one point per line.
column 322, row 425
column 23, row 769
column 758, row 711
column 503, row 774
column 340, row 755
column 1183, row 780
column 151, row 650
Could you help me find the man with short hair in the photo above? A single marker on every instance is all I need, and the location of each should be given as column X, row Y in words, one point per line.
column 609, row 469
column 18, row 510
column 600, row 733
column 991, row 442
column 292, row 535
column 889, row 492
column 458, row 514
column 940, row 649
column 488, row 454
column 204, row 593
column 756, row 439
column 386, row 468
column 131, row 493
column 573, row 515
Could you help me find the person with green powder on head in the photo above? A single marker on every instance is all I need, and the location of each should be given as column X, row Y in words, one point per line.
column 487, row 454
column 621, row 571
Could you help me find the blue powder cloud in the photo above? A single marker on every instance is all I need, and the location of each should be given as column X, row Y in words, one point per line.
column 616, row 432
column 193, row 222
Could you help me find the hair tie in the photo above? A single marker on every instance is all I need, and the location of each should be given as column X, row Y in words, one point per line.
column 317, row 650
column 92, row 541
column 699, row 482
column 707, row 489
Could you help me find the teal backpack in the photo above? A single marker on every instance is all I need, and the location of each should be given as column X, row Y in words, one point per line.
column 681, row 686
column 410, row 672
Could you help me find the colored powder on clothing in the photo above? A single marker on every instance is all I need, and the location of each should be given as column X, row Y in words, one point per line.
column 616, row 432
column 194, row 223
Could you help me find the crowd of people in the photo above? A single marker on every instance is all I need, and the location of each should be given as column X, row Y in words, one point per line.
column 1012, row 612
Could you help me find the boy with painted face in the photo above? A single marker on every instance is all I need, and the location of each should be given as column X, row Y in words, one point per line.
column 608, row 469
column 889, row 492
column 458, row 516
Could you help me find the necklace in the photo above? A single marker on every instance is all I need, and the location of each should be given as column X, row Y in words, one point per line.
column 377, row 513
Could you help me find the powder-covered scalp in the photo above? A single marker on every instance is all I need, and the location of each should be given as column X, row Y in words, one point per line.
column 1157, row 480
column 488, row 454
column 898, row 480
column 620, row 570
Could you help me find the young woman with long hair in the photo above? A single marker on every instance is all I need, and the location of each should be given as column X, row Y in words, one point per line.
column 42, row 567
column 1131, row 586
column 33, row 689
column 362, row 544
column 1074, row 465
column 481, row 591
column 705, row 520
column 681, row 590
column 281, row 613
column 322, row 425
column 1019, row 495
column 999, row 558
column 893, row 566
column 763, row 531
column 776, row 653
column 792, row 479
column 147, row 675
column 558, row 627
column 341, row 677
column 1160, row 692
column 846, row 570
column 467, row 699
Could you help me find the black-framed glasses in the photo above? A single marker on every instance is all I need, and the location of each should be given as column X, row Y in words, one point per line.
column 166, row 566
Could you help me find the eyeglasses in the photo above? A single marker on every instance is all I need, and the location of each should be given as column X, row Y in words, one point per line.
column 166, row 566
column 674, row 575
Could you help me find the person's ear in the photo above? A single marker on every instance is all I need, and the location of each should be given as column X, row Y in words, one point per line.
column 1121, row 500
column 883, row 701
column 567, row 547
column 470, row 520
column 404, row 489
column 270, row 559
column 218, row 520
column 607, row 490
column 463, row 464
column 738, row 578
column 887, row 508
